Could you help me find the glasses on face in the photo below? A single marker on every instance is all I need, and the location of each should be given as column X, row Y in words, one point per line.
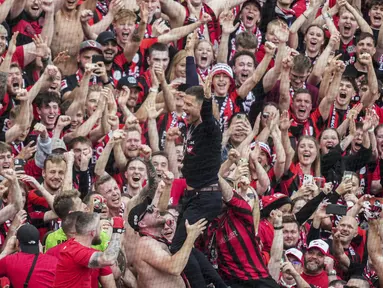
column 149, row 209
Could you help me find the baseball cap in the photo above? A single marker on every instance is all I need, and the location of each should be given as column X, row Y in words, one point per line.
column 136, row 214
column 106, row 36
column 296, row 253
column 58, row 144
column 255, row 2
column 319, row 244
column 275, row 201
column 28, row 237
column 128, row 81
column 90, row 44
column 264, row 147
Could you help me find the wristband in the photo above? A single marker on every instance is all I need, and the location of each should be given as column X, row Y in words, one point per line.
column 118, row 225
column 278, row 228
column 331, row 273
column 371, row 130
column 154, row 90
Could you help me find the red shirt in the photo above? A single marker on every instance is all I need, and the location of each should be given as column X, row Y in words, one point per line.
column 266, row 234
column 72, row 267
column 105, row 271
column 178, row 189
column 16, row 268
column 318, row 281
column 17, row 57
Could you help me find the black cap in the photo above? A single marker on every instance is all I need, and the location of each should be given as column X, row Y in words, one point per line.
column 255, row 2
column 105, row 36
column 128, row 81
column 136, row 213
column 29, row 237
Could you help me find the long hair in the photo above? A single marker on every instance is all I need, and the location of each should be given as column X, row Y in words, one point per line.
column 172, row 67
column 316, row 164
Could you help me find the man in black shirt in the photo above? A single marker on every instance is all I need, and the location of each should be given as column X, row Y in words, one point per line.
column 203, row 197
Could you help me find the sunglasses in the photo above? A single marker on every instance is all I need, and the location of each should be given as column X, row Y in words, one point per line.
column 149, row 209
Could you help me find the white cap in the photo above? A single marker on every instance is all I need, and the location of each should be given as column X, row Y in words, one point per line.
column 319, row 244
column 296, row 253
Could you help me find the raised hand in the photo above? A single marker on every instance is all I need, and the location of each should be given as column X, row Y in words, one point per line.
column 47, row 6
column 233, row 155
column 50, row 72
column 9, row 174
column 159, row 27
column 69, row 157
column 12, row 44
column 226, row 20
column 287, row 62
column 19, row 219
column 172, row 134
column 284, row 121
column 196, row 229
column 113, row 121
column 282, row 32
column 61, row 58
column 124, row 96
column 276, row 218
column 28, row 151
column 152, row 111
column 42, row 49
column 167, row 177
column 85, row 159
column 146, row 152
column 115, row 6
column 205, row 18
column 118, row 136
column 22, row 95
column 191, row 42
column 41, row 130
column 159, row 74
column 63, row 121
column 207, row 86
column 365, row 59
column 31, row 181
column 288, row 268
column 270, row 48
column 85, row 16
column 144, row 11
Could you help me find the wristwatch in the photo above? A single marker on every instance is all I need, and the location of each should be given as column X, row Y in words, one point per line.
column 331, row 273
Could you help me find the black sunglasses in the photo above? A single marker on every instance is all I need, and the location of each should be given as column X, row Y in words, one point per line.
column 149, row 209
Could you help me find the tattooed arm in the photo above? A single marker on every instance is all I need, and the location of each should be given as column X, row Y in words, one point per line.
column 109, row 256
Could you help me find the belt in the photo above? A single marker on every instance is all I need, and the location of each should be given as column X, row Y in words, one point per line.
column 211, row 188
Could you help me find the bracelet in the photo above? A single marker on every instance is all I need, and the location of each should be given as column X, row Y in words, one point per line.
column 278, row 228
column 331, row 273
column 154, row 90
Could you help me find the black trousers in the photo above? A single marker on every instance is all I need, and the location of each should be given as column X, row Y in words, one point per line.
column 260, row 283
column 196, row 206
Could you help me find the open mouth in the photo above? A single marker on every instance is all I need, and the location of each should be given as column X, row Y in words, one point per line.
column 136, row 179
column 221, row 85
column 71, row 2
column 342, row 95
column 358, row 145
column 347, row 28
column 306, row 155
column 313, row 42
column 302, row 110
column 16, row 85
column 51, row 117
column 329, row 145
column 203, row 58
column 35, row 8
column 109, row 52
column 245, row 75
column 377, row 18
column 250, row 17
column 6, row 166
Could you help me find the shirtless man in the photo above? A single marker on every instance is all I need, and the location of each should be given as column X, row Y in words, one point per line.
column 155, row 265
column 69, row 34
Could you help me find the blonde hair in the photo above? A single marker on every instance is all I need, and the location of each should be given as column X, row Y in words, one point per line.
column 124, row 15
column 176, row 60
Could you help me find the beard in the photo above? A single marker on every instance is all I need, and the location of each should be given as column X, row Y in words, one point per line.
column 96, row 240
column 312, row 267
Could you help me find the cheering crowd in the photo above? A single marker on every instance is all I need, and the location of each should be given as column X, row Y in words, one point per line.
column 191, row 143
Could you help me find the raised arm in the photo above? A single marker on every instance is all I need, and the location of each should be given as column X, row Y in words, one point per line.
column 68, row 177
column 279, row 165
column 319, row 68
column 374, row 245
column 175, row 11
column 252, row 81
column 152, row 126
column 226, row 21
column 363, row 25
column 276, row 251
column 284, row 126
column 271, row 77
column 284, row 86
column 325, row 104
column 100, row 26
column 366, row 59
column 109, row 256
column 5, row 8
column 180, row 32
column 263, row 181
column 227, row 190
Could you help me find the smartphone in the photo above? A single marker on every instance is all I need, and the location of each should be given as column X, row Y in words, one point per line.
column 19, row 164
column 307, row 179
column 347, row 176
column 336, row 209
column 319, row 181
column 97, row 58
column 241, row 116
